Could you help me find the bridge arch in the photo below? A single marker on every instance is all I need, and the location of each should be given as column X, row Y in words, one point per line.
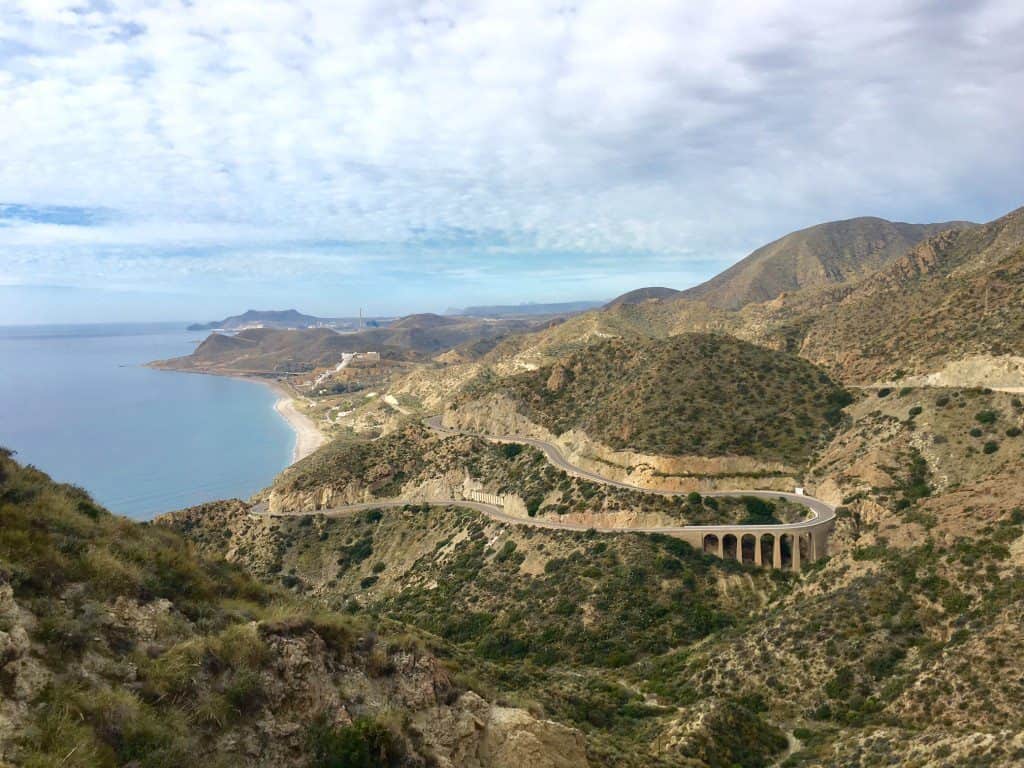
column 730, row 547
column 712, row 544
column 748, row 549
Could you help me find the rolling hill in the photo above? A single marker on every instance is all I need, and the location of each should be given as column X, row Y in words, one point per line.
column 691, row 394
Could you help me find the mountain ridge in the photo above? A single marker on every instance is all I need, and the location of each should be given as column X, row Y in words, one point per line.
column 830, row 253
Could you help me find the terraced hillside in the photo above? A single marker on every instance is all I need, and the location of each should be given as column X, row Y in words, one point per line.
column 691, row 394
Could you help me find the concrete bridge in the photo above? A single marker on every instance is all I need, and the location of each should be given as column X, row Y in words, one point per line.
column 784, row 546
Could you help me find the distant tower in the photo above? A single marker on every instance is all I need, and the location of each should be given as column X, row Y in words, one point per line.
column 360, row 318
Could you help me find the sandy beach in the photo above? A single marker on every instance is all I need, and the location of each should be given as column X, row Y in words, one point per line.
column 307, row 437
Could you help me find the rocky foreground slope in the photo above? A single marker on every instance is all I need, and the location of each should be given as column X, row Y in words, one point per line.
column 120, row 646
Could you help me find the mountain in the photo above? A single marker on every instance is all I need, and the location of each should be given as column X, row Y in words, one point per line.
column 506, row 310
column 857, row 308
column 825, row 254
column 956, row 295
column 286, row 318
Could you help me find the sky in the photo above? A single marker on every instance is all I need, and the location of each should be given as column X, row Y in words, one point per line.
column 190, row 159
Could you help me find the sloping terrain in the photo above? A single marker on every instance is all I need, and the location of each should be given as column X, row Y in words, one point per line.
column 640, row 295
column 120, row 646
column 691, row 394
column 413, row 463
column 901, row 648
column 556, row 617
column 825, row 254
column 959, row 293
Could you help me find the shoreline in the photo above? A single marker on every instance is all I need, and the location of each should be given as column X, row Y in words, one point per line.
column 307, row 436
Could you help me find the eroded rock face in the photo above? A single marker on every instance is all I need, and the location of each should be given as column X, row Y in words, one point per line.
column 22, row 677
column 474, row 734
column 497, row 415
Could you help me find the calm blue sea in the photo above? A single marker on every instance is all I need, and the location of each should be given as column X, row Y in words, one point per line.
column 76, row 402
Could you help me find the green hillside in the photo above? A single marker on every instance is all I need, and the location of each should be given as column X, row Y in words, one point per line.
column 692, row 394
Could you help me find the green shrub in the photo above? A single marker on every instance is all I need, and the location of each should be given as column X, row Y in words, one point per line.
column 976, row 432
column 363, row 744
column 915, row 411
column 1013, row 432
column 986, row 417
column 694, row 499
column 990, row 447
column 884, row 392
column 511, row 450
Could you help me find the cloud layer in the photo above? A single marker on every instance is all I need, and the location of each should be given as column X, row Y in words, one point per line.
column 496, row 146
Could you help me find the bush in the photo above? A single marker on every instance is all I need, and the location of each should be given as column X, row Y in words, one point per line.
column 915, row 411
column 884, row 392
column 1013, row 432
column 990, row 447
column 986, row 417
column 976, row 432
column 363, row 744
column 511, row 450
column 694, row 499
column 942, row 401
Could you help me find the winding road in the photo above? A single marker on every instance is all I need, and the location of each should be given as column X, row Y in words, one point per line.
column 813, row 529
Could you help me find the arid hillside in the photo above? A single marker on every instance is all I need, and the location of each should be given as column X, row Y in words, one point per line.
column 826, row 254
column 899, row 648
column 882, row 313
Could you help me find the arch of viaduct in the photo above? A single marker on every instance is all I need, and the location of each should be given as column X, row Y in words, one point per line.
column 781, row 546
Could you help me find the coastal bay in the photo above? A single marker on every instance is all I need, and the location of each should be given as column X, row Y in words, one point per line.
column 79, row 402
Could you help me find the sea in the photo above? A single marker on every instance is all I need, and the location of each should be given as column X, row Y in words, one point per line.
column 78, row 402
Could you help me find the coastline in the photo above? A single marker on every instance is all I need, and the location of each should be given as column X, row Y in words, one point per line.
column 307, row 437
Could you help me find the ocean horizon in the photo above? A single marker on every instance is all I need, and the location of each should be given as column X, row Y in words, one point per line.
column 79, row 403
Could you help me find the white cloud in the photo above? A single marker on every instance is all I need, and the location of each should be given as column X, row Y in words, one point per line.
column 664, row 130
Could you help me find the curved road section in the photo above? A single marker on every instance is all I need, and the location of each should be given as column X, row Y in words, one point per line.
column 782, row 545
